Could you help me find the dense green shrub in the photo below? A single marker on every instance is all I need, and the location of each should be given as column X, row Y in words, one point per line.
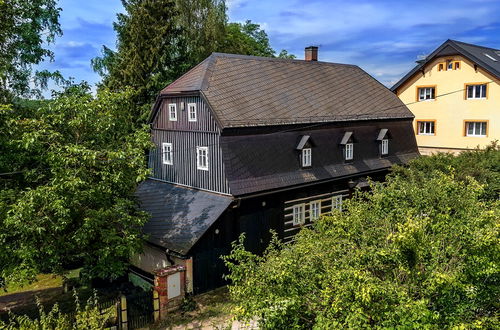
column 419, row 251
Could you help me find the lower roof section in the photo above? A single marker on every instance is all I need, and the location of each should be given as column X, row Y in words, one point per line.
column 179, row 216
column 335, row 171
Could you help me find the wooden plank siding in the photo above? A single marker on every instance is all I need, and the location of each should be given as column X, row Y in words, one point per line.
column 185, row 136
column 326, row 206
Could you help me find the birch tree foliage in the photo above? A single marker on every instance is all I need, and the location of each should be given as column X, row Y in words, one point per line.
column 26, row 30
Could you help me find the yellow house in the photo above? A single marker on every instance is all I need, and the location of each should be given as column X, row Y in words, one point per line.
column 454, row 94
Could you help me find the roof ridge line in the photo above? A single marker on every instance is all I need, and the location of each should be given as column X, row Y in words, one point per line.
column 278, row 59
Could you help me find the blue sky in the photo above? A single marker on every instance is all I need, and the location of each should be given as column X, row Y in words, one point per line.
column 384, row 37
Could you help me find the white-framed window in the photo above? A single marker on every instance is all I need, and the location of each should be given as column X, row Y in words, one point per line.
column 426, row 127
column 337, row 202
column 172, row 112
column 191, row 111
column 384, row 147
column 349, row 151
column 314, row 210
column 475, row 128
column 166, row 152
column 298, row 214
column 476, row 91
column 306, row 157
column 426, row 93
column 202, row 158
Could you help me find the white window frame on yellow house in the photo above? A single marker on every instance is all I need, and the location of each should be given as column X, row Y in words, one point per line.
column 475, row 124
column 474, row 91
column 426, row 121
column 428, row 90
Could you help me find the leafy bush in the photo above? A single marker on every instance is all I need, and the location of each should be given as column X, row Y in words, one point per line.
column 418, row 251
column 88, row 317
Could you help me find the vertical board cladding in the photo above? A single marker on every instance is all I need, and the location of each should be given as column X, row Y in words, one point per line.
column 185, row 137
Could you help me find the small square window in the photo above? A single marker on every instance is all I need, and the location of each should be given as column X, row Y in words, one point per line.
column 192, row 112
column 172, row 112
column 440, row 67
column 306, row 157
column 298, row 214
column 314, row 210
column 384, row 147
column 202, row 158
column 167, row 153
column 475, row 128
column 337, row 202
column 349, row 151
column 426, row 93
column 457, row 65
column 426, row 128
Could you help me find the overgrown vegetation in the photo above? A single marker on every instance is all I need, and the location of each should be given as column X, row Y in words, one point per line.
column 66, row 197
column 87, row 317
column 420, row 251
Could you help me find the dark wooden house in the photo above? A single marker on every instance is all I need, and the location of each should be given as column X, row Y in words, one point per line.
column 248, row 144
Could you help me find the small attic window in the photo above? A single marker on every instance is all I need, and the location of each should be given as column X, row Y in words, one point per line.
column 305, row 147
column 348, row 145
column 490, row 57
column 440, row 67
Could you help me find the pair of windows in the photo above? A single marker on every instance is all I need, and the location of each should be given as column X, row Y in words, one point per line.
column 348, row 152
column 307, row 154
column 472, row 91
column 299, row 210
column 472, row 128
column 172, row 112
column 201, row 156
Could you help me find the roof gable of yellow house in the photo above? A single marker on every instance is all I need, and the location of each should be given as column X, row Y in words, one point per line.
column 484, row 57
column 454, row 94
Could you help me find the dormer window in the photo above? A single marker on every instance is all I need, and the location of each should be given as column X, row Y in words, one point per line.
column 191, row 111
column 348, row 144
column 305, row 147
column 384, row 147
column 349, row 151
column 306, row 157
column 172, row 112
column 383, row 139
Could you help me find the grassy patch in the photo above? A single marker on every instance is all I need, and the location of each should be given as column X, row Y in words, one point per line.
column 43, row 281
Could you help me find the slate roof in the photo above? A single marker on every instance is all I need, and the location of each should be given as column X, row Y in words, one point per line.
column 179, row 216
column 251, row 91
column 267, row 162
column 487, row 58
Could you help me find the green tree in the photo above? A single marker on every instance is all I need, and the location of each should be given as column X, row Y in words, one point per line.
column 416, row 252
column 26, row 28
column 246, row 39
column 159, row 40
column 147, row 51
column 78, row 160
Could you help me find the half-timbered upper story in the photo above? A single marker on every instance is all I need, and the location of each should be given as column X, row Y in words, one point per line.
column 242, row 125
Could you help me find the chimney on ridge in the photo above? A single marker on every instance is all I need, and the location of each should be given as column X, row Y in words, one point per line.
column 311, row 53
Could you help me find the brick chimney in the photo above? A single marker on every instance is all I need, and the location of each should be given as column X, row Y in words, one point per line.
column 311, row 53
